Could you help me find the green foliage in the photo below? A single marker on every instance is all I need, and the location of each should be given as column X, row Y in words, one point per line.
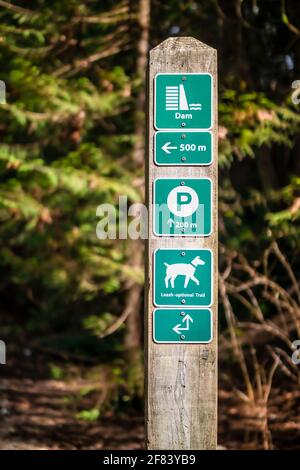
column 89, row 415
column 63, row 152
column 253, row 126
column 98, row 324
column 56, row 372
column 250, row 121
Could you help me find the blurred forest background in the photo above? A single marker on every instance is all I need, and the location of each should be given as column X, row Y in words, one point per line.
column 72, row 137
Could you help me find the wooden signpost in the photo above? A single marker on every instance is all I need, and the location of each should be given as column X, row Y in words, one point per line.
column 181, row 284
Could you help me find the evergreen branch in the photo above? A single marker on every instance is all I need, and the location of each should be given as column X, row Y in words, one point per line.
column 117, row 15
column 108, row 39
column 26, row 51
column 17, row 9
column 85, row 63
column 286, row 20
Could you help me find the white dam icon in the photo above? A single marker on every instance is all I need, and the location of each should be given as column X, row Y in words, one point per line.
column 176, row 100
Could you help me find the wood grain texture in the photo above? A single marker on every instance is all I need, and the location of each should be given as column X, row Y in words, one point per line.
column 181, row 379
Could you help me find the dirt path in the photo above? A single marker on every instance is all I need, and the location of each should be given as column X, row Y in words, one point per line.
column 36, row 414
column 40, row 413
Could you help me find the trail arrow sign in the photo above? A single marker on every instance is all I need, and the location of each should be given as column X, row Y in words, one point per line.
column 179, row 329
column 191, row 326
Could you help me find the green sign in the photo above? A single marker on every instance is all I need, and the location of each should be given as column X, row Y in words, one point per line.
column 183, row 101
column 182, row 326
column 182, row 148
column 182, row 277
column 182, row 206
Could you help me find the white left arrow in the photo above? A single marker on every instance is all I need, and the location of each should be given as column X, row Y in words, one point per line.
column 167, row 147
column 179, row 328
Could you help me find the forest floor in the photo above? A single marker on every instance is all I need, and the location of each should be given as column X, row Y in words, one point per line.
column 39, row 412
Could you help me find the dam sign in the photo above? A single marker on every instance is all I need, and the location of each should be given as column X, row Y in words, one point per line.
column 183, row 101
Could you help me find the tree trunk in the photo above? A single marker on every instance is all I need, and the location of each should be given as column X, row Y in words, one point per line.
column 136, row 247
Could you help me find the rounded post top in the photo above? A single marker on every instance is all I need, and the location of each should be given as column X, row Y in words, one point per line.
column 184, row 42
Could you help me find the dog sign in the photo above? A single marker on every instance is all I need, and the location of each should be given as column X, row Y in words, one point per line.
column 182, row 206
column 182, row 278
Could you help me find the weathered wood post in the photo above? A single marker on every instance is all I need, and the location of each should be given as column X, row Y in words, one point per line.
column 181, row 272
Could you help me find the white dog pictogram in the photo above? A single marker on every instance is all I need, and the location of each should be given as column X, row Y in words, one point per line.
column 182, row 269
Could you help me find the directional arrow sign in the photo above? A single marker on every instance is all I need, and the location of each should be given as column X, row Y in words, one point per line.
column 187, row 202
column 191, row 325
column 183, row 101
column 183, row 148
column 179, row 328
column 182, row 278
column 167, row 147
